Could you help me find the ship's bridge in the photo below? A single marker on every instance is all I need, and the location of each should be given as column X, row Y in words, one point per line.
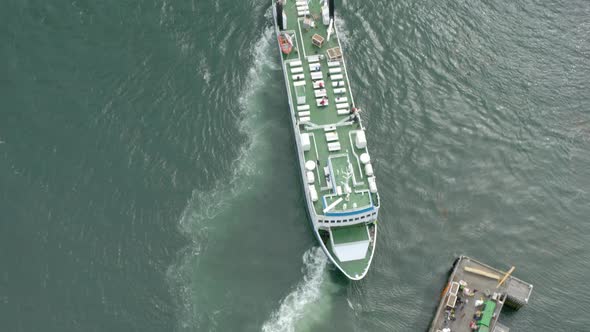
column 344, row 200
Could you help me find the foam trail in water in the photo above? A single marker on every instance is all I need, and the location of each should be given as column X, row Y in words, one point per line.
column 343, row 33
column 308, row 292
column 198, row 219
column 206, row 205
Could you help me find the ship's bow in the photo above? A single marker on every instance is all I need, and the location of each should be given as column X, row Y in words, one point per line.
column 351, row 248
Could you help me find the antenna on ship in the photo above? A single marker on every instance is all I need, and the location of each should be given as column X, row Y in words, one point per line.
column 347, row 175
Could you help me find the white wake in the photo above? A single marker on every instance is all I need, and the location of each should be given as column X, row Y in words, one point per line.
column 308, row 292
column 203, row 209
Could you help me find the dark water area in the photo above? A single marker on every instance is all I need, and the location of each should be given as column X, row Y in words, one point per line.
column 148, row 180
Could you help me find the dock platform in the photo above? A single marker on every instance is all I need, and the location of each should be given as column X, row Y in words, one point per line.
column 474, row 297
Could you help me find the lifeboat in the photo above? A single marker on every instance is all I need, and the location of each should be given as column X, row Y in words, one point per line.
column 285, row 43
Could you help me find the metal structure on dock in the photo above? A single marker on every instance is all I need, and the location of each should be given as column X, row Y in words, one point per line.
column 475, row 295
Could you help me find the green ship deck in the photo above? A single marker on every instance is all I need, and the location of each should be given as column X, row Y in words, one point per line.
column 339, row 184
column 350, row 234
column 332, row 129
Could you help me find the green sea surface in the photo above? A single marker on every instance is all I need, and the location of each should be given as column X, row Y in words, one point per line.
column 148, row 180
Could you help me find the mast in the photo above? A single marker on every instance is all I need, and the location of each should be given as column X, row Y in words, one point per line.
column 331, row 11
column 280, row 14
column 331, row 7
